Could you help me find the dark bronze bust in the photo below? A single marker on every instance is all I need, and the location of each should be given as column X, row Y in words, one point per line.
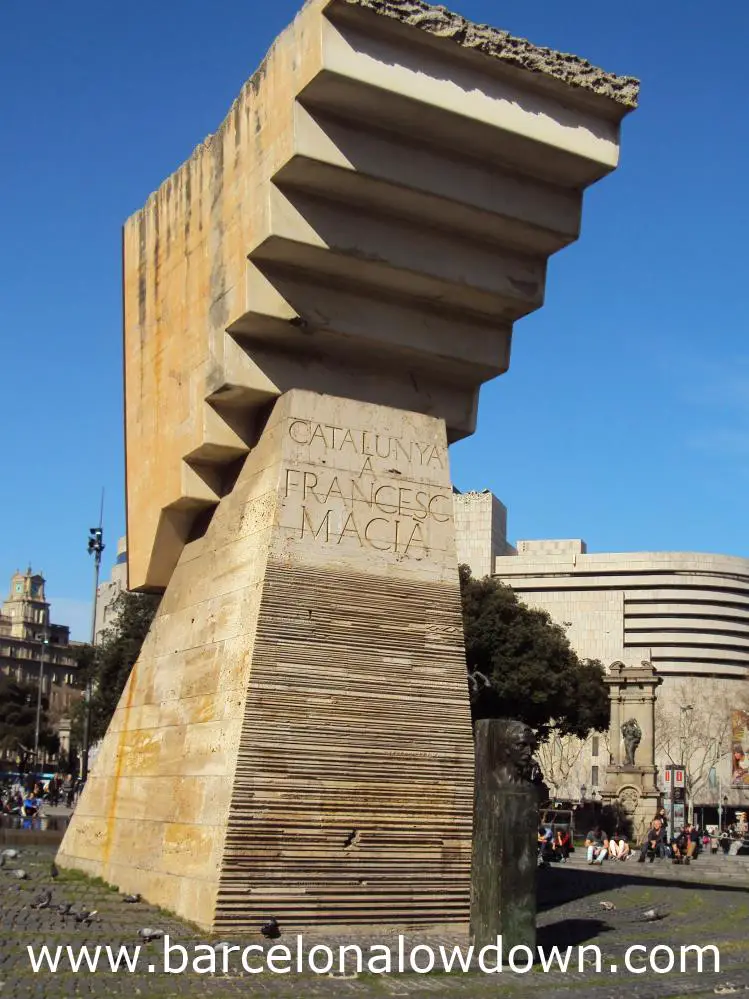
column 512, row 753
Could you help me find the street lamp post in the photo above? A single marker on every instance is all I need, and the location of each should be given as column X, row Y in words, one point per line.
column 685, row 714
column 95, row 548
column 44, row 641
column 722, row 802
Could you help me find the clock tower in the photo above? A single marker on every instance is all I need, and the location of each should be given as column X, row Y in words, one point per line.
column 26, row 605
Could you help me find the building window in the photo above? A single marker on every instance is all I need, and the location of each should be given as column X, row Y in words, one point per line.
column 594, row 746
column 594, row 776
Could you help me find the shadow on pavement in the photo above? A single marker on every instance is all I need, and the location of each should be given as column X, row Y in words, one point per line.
column 570, row 933
column 557, row 886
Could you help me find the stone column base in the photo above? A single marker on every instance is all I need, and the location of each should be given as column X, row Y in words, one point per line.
column 633, row 789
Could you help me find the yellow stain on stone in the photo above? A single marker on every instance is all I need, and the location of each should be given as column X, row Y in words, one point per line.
column 111, row 810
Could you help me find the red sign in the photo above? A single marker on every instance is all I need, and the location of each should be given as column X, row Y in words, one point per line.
column 678, row 778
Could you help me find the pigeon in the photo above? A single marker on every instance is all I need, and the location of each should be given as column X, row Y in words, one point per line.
column 271, row 929
column 651, row 915
column 64, row 908
column 54, row 871
column 42, row 900
column 131, row 898
column 148, row 934
column 10, row 854
column 608, row 906
column 20, row 874
column 84, row 916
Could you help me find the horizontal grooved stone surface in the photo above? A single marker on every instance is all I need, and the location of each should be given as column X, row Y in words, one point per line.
column 356, row 811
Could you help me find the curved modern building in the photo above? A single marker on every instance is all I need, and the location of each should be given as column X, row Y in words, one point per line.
column 686, row 612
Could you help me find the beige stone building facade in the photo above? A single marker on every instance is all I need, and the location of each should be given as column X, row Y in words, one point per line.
column 480, row 530
column 109, row 591
column 30, row 641
column 687, row 613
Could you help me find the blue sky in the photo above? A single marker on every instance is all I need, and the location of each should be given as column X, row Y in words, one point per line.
column 624, row 418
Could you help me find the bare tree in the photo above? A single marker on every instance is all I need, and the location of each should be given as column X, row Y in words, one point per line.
column 606, row 740
column 693, row 730
column 559, row 758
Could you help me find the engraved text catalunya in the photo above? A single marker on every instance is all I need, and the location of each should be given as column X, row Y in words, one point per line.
column 337, row 505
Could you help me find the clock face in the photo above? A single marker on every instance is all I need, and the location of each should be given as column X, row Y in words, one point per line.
column 35, row 589
column 19, row 587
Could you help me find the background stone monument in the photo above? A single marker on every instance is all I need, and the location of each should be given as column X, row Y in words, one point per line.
column 631, row 777
column 311, row 303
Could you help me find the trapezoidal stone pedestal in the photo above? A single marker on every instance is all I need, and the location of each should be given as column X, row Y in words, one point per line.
column 295, row 739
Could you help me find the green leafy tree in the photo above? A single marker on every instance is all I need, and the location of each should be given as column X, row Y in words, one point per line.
column 18, row 702
column 109, row 664
column 521, row 665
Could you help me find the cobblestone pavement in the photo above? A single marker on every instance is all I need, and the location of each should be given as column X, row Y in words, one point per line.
column 571, row 913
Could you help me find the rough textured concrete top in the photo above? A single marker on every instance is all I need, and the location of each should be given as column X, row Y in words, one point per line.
column 570, row 69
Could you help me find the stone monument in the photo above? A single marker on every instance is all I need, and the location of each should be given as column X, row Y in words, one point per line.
column 311, row 304
column 631, row 777
column 505, row 843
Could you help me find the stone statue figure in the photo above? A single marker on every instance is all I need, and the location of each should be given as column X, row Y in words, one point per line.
column 632, row 735
column 512, row 752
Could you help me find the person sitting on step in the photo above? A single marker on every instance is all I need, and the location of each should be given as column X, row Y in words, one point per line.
column 597, row 845
column 562, row 845
column 685, row 846
column 619, row 846
column 654, row 841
